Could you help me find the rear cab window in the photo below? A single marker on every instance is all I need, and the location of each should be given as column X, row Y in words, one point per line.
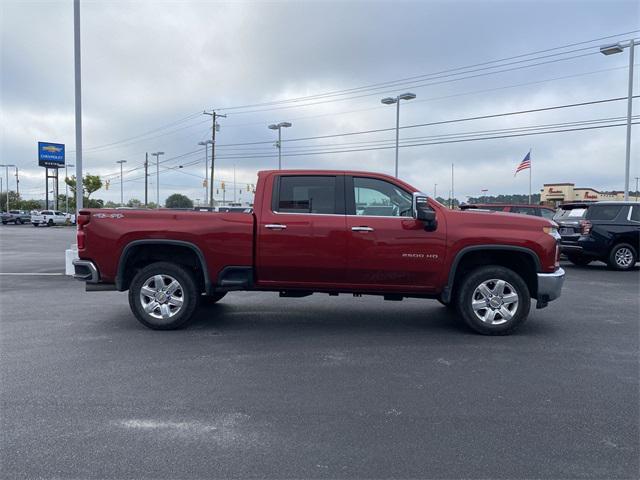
column 308, row 194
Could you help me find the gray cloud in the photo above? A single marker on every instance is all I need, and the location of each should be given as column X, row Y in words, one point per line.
column 147, row 64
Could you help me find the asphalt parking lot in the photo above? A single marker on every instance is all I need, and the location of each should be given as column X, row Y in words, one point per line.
column 328, row 387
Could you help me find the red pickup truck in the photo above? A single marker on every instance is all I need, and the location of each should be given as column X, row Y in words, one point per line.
column 324, row 231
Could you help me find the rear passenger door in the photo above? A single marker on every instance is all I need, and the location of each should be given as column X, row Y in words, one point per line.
column 301, row 237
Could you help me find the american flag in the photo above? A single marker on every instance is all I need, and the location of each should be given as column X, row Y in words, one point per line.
column 524, row 164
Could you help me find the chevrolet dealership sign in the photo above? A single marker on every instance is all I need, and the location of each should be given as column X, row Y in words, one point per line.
column 51, row 155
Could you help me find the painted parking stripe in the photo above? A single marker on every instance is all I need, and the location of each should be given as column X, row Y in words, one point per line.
column 31, row 274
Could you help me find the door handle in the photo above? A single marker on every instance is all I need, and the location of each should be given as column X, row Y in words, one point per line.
column 275, row 226
column 361, row 229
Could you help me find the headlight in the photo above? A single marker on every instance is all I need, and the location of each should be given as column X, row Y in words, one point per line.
column 553, row 231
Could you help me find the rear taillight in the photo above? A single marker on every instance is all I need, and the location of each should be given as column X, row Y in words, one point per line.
column 585, row 227
column 83, row 219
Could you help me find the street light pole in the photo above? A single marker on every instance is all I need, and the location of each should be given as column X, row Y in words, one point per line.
column 157, row 155
column 6, row 176
column 610, row 50
column 279, row 127
column 121, row 189
column 66, row 188
column 637, row 178
column 214, row 128
column 78, row 103
column 396, row 100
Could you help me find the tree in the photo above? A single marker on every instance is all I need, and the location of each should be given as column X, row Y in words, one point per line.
column 29, row 205
column 13, row 200
column 135, row 203
column 90, row 184
column 111, row 204
column 177, row 200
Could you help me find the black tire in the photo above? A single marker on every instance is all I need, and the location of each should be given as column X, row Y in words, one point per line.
column 18, row 221
column 188, row 292
column 622, row 257
column 4, row 223
column 468, row 293
column 212, row 299
column 580, row 260
column 50, row 223
column 34, row 224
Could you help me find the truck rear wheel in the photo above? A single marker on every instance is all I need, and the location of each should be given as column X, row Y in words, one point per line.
column 163, row 296
column 493, row 300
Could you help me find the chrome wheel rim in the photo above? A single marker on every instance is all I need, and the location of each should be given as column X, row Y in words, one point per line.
column 162, row 296
column 495, row 301
column 624, row 257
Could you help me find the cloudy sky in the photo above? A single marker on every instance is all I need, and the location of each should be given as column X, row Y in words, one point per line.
column 150, row 68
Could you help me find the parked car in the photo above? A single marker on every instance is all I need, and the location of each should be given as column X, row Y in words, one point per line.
column 610, row 232
column 568, row 217
column 306, row 235
column 49, row 218
column 535, row 210
column 17, row 217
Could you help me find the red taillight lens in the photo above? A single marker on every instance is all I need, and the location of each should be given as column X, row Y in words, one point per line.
column 585, row 227
column 83, row 219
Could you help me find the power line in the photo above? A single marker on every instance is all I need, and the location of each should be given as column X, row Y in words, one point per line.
column 415, row 77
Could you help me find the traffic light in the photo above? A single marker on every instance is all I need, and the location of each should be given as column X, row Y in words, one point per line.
column 205, row 184
column 106, row 184
column 222, row 185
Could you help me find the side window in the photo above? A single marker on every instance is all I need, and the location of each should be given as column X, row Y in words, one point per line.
column 307, row 194
column 523, row 210
column 547, row 213
column 603, row 212
column 379, row 198
column 635, row 213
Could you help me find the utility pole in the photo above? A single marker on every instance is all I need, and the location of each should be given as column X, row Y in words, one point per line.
column 234, row 184
column 121, row 189
column 453, row 203
column 78, row 103
column 637, row 178
column 435, row 190
column 17, row 184
column 157, row 155
column 146, row 179
column 214, row 127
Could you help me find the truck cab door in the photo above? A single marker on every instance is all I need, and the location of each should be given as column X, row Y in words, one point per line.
column 301, row 238
column 388, row 249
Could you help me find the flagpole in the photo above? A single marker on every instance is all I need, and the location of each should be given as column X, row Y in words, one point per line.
column 530, row 168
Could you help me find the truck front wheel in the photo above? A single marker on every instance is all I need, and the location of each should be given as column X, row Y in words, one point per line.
column 163, row 296
column 493, row 300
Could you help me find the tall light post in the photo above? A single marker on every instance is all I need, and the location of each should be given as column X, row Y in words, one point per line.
column 157, row 155
column 77, row 68
column 121, row 190
column 6, row 176
column 279, row 127
column 66, row 187
column 611, row 50
column 206, row 166
column 396, row 100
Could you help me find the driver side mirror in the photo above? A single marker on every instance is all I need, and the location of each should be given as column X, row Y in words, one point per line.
column 423, row 212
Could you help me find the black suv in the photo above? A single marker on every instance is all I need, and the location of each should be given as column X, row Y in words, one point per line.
column 608, row 231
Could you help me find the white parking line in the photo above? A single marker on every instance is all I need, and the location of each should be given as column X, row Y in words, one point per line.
column 32, row 274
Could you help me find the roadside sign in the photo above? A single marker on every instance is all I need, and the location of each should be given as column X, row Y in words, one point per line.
column 51, row 155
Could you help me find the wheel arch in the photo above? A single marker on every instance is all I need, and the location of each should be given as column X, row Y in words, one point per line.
column 158, row 247
column 523, row 259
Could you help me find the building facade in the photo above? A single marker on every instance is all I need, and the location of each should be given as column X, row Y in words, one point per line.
column 556, row 193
